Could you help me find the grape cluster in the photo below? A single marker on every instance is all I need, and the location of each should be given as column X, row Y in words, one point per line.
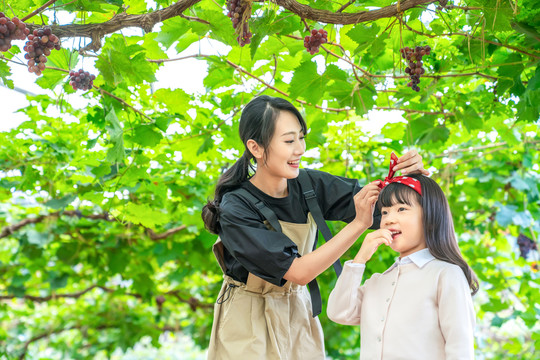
column 415, row 67
column 525, row 245
column 238, row 9
column 81, row 79
column 11, row 29
column 313, row 42
column 38, row 47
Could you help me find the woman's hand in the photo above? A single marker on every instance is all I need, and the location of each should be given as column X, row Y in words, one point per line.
column 364, row 202
column 411, row 163
column 371, row 243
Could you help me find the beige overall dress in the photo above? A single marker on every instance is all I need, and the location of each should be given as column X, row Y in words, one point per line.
column 262, row 321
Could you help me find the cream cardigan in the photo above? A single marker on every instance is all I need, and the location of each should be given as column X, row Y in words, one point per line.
column 414, row 311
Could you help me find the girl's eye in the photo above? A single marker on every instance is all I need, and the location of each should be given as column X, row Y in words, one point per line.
column 289, row 141
column 384, row 212
column 302, row 137
column 402, row 209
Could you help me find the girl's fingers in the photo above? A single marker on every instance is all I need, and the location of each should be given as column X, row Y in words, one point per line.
column 386, row 236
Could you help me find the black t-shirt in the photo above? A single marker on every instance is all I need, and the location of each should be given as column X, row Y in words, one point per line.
column 251, row 247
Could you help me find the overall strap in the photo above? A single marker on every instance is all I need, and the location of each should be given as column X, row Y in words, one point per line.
column 268, row 214
column 314, row 208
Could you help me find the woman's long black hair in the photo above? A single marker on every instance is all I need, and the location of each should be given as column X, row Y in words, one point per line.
column 258, row 122
column 437, row 220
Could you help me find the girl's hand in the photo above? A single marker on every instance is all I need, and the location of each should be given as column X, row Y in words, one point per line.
column 371, row 243
column 411, row 163
column 364, row 202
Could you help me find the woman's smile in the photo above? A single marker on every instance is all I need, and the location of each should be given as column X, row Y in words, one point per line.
column 295, row 164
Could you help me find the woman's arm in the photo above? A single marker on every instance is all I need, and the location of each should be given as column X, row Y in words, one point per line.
column 308, row 267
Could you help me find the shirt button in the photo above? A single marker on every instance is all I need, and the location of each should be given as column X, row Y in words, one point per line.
column 393, row 283
column 387, row 300
column 379, row 339
column 382, row 319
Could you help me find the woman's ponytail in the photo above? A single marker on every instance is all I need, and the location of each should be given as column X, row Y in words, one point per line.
column 228, row 181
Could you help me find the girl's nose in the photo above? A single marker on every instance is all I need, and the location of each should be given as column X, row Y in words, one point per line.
column 389, row 219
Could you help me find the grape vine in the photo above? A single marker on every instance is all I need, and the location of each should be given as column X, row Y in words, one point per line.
column 240, row 13
column 415, row 67
column 313, row 42
column 11, row 29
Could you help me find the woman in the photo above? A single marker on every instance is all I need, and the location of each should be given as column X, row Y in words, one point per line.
column 264, row 309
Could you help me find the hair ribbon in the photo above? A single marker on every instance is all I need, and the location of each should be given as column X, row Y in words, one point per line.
column 405, row 180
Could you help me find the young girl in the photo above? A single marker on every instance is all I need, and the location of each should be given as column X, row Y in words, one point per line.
column 421, row 307
column 264, row 310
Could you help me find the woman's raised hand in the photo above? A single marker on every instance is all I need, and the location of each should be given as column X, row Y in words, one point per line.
column 371, row 243
column 364, row 201
column 411, row 163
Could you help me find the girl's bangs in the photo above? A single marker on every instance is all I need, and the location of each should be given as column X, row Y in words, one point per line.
column 395, row 193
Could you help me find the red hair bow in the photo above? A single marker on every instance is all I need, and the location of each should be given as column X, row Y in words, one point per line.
column 405, row 180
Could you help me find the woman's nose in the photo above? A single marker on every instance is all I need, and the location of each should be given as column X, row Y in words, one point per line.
column 300, row 148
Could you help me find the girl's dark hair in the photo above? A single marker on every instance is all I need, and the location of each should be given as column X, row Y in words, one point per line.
column 257, row 122
column 437, row 220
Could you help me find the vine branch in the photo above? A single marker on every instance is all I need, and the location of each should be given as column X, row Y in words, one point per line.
column 473, row 38
column 193, row 303
column 119, row 21
column 329, row 17
column 38, row 10
column 8, row 230
column 147, row 21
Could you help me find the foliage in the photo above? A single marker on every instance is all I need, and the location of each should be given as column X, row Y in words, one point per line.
column 102, row 243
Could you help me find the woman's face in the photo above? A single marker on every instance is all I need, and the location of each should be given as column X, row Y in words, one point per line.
column 285, row 150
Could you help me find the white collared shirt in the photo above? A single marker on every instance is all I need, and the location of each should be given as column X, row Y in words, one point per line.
column 420, row 258
column 420, row 308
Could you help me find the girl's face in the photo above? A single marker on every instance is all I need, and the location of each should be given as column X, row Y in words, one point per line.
column 285, row 149
column 405, row 222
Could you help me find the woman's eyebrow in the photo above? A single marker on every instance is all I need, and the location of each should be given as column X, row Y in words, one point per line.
column 292, row 133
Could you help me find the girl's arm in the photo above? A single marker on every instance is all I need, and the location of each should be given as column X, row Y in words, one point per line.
column 308, row 267
column 345, row 301
column 456, row 314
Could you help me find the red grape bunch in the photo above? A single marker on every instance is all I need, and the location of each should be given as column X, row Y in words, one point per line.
column 240, row 12
column 525, row 245
column 81, row 79
column 38, row 47
column 415, row 67
column 11, row 29
column 313, row 42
